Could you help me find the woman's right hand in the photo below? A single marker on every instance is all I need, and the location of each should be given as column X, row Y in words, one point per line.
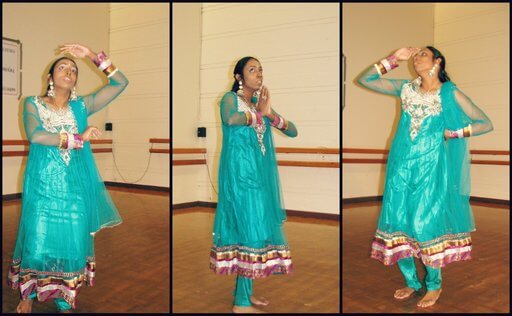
column 405, row 53
column 90, row 132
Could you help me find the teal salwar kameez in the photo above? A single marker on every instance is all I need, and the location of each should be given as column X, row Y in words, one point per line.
column 425, row 208
column 248, row 239
column 64, row 201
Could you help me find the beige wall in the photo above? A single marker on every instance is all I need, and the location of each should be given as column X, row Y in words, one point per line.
column 40, row 28
column 464, row 33
column 139, row 40
column 186, row 62
column 298, row 46
column 129, row 38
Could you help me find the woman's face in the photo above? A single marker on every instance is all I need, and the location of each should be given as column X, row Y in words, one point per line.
column 422, row 61
column 253, row 75
column 65, row 74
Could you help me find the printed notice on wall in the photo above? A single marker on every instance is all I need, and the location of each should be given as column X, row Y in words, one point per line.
column 11, row 67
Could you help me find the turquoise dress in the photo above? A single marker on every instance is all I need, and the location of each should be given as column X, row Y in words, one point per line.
column 64, row 201
column 425, row 208
column 248, row 238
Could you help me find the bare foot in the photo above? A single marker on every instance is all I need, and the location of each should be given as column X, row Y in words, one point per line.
column 403, row 293
column 430, row 298
column 246, row 310
column 259, row 301
column 24, row 307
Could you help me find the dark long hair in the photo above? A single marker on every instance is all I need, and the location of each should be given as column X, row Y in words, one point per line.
column 443, row 75
column 239, row 69
column 52, row 68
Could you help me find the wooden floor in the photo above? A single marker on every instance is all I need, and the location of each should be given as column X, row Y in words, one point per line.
column 132, row 259
column 312, row 288
column 480, row 285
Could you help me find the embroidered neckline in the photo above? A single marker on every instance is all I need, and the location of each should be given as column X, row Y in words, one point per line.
column 46, row 106
column 419, row 105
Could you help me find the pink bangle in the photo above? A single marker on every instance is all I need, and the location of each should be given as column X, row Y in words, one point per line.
column 78, row 141
column 259, row 118
column 276, row 121
column 392, row 60
column 281, row 123
column 100, row 58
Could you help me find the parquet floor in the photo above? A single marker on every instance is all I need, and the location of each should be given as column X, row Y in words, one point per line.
column 480, row 285
column 313, row 287
column 132, row 259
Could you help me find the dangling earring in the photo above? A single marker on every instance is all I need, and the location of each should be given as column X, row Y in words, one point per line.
column 240, row 91
column 51, row 91
column 432, row 71
column 73, row 94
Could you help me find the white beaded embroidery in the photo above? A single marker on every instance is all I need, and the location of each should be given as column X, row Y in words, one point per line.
column 57, row 122
column 419, row 105
column 259, row 128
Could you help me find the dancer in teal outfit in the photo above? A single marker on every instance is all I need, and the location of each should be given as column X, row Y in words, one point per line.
column 425, row 208
column 64, row 199
column 248, row 239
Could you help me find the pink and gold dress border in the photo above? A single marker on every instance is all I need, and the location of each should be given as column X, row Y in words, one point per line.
column 436, row 253
column 251, row 262
column 50, row 284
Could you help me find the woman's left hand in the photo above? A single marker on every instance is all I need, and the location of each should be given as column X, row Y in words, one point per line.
column 264, row 102
column 446, row 134
column 76, row 50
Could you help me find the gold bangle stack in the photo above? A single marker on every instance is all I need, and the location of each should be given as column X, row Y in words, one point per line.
column 381, row 69
column 467, row 131
column 110, row 70
column 63, row 141
column 248, row 117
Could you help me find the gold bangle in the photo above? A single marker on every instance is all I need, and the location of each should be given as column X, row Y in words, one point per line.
column 286, row 125
column 383, row 69
column 247, row 117
column 63, row 140
column 110, row 69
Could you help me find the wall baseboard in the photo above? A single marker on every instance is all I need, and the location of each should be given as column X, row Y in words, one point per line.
column 304, row 214
column 17, row 196
column 378, row 198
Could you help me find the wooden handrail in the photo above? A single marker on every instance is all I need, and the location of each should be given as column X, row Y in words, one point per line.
column 383, row 161
column 386, row 151
column 8, row 142
column 24, row 142
column 159, row 151
column 14, row 142
column 312, row 164
column 160, row 140
column 189, row 162
column 287, row 150
column 189, row 150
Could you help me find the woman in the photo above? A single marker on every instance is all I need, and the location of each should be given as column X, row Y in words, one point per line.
column 64, row 199
column 425, row 208
column 247, row 234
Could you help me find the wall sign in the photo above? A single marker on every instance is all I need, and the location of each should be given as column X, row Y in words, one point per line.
column 11, row 67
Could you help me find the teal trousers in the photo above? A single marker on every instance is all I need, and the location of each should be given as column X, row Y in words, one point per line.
column 243, row 291
column 60, row 302
column 432, row 278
